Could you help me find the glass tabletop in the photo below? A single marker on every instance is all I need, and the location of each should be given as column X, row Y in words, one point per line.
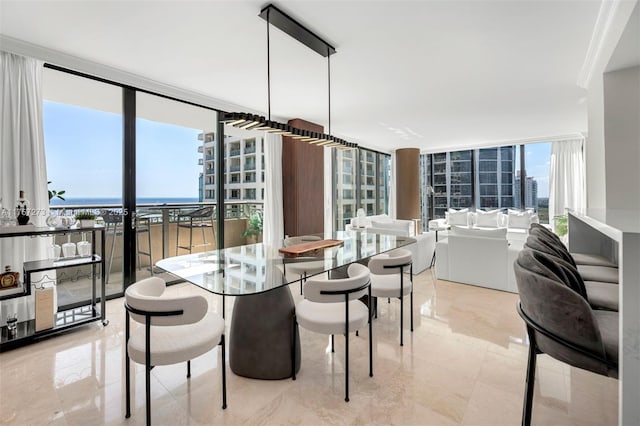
column 257, row 268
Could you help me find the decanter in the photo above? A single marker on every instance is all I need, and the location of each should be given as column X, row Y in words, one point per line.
column 22, row 210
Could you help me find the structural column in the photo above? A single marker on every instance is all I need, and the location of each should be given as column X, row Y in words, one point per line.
column 407, row 183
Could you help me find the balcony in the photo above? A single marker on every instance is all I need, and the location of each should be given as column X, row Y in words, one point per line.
column 200, row 162
column 234, row 152
column 249, row 149
column 250, row 166
column 234, row 168
column 209, row 157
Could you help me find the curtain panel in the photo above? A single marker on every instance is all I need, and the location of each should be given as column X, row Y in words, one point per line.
column 273, row 218
column 567, row 179
column 22, row 166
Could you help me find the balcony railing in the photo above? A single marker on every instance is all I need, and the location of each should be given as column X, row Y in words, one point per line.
column 234, row 168
column 234, row 152
column 250, row 166
column 249, row 149
column 209, row 157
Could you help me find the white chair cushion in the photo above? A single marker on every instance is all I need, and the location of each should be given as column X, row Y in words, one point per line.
column 487, row 219
column 592, row 259
column 458, row 217
column 598, row 273
column 300, row 268
column 328, row 318
column 174, row 344
column 393, row 226
column 389, row 285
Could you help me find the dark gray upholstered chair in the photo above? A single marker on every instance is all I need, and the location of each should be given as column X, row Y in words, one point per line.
column 561, row 324
column 600, row 295
column 588, row 272
column 579, row 258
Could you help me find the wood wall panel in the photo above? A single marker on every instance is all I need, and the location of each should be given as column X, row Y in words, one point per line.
column 408, row 183
column 303, row 183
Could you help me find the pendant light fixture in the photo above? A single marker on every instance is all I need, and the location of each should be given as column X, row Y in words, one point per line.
column 290, row 26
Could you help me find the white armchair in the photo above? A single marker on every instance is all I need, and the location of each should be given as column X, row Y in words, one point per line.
column 174, row 330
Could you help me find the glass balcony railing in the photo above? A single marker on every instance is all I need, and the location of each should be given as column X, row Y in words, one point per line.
column 249, row 149
column 234, row 168
column 234, row 152
column 250, row 166
column 210, row 157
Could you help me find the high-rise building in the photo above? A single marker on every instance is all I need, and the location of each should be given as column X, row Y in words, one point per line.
column 345, row 186
column 243, row 167
column 530, row 193
column 452, row 176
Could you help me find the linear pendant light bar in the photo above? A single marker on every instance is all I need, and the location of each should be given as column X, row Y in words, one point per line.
column 293, row 28
column 247, row 121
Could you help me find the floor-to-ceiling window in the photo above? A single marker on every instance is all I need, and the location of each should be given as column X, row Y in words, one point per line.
column 536, row 194
column 361, row 180
column 486, row 178
column 82, row 121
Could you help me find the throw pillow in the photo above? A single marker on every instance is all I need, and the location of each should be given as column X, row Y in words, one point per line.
column 487, row 219
column 458, row 217
column 518, row 220
column 392, row 226
column 499, row 233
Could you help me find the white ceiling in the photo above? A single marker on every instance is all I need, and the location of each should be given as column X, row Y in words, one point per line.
column 426, row 74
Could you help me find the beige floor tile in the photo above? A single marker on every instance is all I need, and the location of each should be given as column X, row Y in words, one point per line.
column 464, row 363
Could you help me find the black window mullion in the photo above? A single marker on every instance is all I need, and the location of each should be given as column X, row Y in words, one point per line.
column 129, row 185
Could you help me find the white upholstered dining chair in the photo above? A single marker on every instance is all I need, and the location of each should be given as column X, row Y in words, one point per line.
column 332, row 307
column 175, row 329
column 388, row 280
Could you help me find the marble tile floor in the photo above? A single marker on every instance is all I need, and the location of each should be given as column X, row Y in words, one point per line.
column 464, row 364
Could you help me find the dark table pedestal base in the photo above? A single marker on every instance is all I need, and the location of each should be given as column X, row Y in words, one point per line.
column 261, row 335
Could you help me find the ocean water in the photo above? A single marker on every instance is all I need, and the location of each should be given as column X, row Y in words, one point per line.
column 118, row 201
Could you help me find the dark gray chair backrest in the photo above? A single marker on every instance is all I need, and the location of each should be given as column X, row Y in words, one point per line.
column 544, row 245
column 555, row 267
column 561, row 312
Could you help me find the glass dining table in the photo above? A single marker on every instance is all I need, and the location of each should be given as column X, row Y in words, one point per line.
column 261, row 332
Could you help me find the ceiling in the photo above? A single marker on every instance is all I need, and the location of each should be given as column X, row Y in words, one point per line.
column 427, row 74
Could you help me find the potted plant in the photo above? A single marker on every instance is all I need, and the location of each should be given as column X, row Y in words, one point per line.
column 561, row 226
column 254, row 228
column 87, row 219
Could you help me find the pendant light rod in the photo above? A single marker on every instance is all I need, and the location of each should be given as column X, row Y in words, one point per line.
column 268, row 68
column 329, row 86
column 296, row 30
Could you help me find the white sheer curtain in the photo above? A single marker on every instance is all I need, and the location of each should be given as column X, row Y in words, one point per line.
column 22, row 164
column 328, row 191
column 273, row 218
column 567, row 187
column 392, row 187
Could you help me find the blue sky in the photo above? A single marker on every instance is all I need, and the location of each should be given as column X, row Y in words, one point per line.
column 537, row 157
column 84, row 154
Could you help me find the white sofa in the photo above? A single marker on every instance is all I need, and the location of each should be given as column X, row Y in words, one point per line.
column 383, row 224
column 516, row 222
column 482, row 257
column 422, row 249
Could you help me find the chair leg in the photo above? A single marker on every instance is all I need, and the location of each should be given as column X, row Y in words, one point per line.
column 188, row 369
column 375, row 300
column 411, row 309
column 530, row 382
column 147, row 369
column 333, row 349
column 293, row 348
column 346, row 351
column 224, row 373
column 401, row 319
column 370, row 338
column 127, row 367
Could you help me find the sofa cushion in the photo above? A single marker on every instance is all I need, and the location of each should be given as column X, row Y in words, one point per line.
column 458, row 217
column 499, row 233
column 487, row 219
column 518, row 219
column 392, row 226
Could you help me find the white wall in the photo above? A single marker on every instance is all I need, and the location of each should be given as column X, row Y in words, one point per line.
column 622, row 136
column 594, row 147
